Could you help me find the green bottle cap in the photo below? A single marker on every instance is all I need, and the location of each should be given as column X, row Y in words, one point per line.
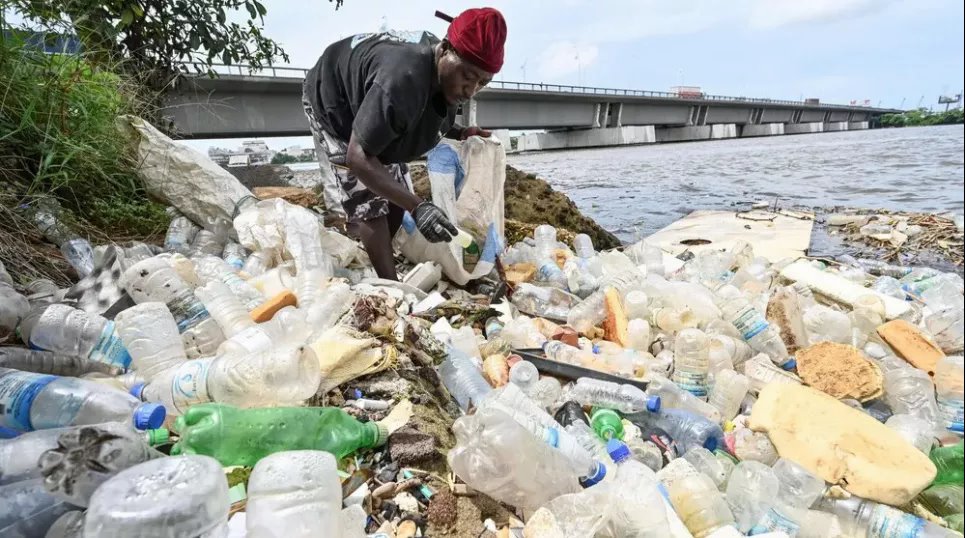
column 158, row 436
column 381, row 433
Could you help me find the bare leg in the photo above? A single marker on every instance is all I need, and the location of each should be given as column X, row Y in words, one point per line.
column 375, row 237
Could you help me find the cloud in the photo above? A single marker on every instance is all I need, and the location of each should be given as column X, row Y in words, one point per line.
column 565, row 57
column 771, row 14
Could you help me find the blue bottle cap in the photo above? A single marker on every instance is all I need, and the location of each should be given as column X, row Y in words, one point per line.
column 791, row 364
column 598, row 475
column 711, row 444
column 137, row 390
column 149, row 416
column 653, row 404
column 596, row 349
column 618, row 450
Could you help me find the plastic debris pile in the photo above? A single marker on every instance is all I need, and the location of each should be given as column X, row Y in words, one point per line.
column 253, row 378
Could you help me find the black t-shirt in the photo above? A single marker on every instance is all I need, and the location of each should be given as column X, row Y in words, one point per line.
column 385, row 88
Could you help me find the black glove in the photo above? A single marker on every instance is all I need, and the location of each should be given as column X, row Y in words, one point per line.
column 432, row 222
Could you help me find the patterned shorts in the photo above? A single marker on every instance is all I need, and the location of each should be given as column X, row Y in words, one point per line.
column 343, row 193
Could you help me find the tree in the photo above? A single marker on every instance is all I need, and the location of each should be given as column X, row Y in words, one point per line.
column 283, row 158
column 156, row 39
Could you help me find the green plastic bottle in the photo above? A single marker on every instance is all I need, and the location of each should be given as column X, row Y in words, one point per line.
column 236, row 436
column 607, row 424
column 949, row 460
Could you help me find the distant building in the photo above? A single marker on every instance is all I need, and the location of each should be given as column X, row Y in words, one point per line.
column 252, row 152
column 239, row 160
column 300, row 153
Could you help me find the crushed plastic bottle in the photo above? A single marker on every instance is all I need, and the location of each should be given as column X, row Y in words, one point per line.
column 691, row 363
column 591, row 311
column 236, row 436
column 150, row 334
column 463, row 379
column 542, row 301
column 79, row 254
column 234, row 255
column 862, row 518
column 624, row 398
column 673, row 397
column 174, row 496
column 910, row 391
column 36, row 402
column 224, row 307
column 917, row 432
column 211, row 269
column 751, row 490
column 797, row 491
column 73, row 332
column 639, row 507
column 181, row 232
column 294, row 493
column 688, row 430
column 729, row 391
column 710, row 465
column 48, row 362
column 13, row 308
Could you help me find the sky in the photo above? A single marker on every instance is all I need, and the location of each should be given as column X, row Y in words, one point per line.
column 891, row 52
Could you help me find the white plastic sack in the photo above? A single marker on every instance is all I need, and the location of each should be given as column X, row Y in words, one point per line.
column 181, row 177
column 467, row 184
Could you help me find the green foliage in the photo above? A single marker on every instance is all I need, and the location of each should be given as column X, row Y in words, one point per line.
column 922, row 116
column 58, row 137
column 283, row 158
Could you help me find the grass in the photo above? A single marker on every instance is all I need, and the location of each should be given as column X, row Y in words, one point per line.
column 58, row 140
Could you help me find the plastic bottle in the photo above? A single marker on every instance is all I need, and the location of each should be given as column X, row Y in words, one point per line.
column 234, row 255
column 623, row 398
column 558, row 351
column 36, row 402
column 463, row 379
column 917, row 432
column 760, row 371
column 68, row 525
column 207, row 243
column 797, row 491
column 79, row 255
column 48, row 362
column 546, row 392
column 861, row 518
column 13, row 308
column 294, row 493
column 948, row 460
column 754, row 446
column 27, row 509
column 524, row 375
column 639, row 509
column 181, row 232
column 73, row 332
column 154, row 280
column 910, row 391
column 591, row 311
column 583, row 246
column 283, row 375
column 695, row 499
column 880, row 268
column 751, row 490
column 224, row 307
column 691, row 364
column 729, row 391
column 549, row 273
column 889, row 286
column 19, row 456
column 710, row 465
column 636, row 304
column 236, row 436
column 258, row 262
column 211, row 269
column 947, row 326
column 607, row 424
column 178, row 496
column 687, row 429
column 86, row 457
column 545, row 237
column 673, row 397
column 589, row 440
column 150, row 334
column 753, row 326
column 497, row 456
column 544, row 302
column 672, row 319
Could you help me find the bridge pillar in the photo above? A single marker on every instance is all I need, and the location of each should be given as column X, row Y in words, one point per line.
column 803, row 128
column 764, row 129
column 586, row 138
column 857, row 125
column 723, row 130
column 834, row 126
column 619, row 115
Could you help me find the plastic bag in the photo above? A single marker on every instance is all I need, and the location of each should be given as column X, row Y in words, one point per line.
column 467, row 184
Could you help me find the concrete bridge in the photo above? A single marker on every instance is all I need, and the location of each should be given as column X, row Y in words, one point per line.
column 244, row 103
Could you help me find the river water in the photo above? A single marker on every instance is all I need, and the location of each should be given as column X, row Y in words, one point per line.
column 640, row 189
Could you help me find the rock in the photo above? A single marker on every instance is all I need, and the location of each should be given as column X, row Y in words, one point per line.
column 409, row 445
column 442, row 510
column 842, row 445
column 839, row 370
column 910, row 344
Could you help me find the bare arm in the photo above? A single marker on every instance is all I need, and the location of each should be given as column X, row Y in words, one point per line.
column 372, row 173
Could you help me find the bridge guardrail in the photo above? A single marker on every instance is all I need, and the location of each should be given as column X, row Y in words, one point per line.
column 299, row 72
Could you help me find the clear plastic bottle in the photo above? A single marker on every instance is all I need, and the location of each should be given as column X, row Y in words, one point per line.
column 73, row 332
column 524, row 375
column 920, row 434
column 695, row 499
column 258, row 262
column 543, row 301
column 688, row 430
column 181, row 232
column 211, row 269
column 674, row 397
column 176, row 496
column 640, row 335
column 558, row 351
column 824, row 324
column 37, row 402
column 294, row 493
column 760, row 371
column 729, row 391
column 208, row 243
column 13, row 308
column 86, row 457
column 592, row 310
column 497, row 456
column 79, row 255
column 19, row 456
column 546, row 392
column 68, row 525
column 947, row 326
column 636, row 304
column 335, row 301
column 153, row 279
column 287, row 327
column 150, row 334
column 797, row 491
column 549, row 273
column 624, row 398
column 638, row 506
column 753, row 326
column 710, row 465
column 5, row 277
column 672, row 319
column 751, row 490
column 583, row 246
column 861, row 518
column 463, row 380
column 754, row 446
column 48, row 362
column 889, row 286
column 910, row 391
column 27, row 509
column 950, row 387
column 234, row 255
column 224, row 307
column 280, row 376
column 545, row 237
column 691, row 364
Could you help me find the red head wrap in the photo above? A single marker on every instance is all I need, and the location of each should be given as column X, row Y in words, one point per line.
column 478, row 35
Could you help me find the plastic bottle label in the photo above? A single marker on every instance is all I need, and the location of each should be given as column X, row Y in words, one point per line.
column 888, row 522
column 692, row 382
column 17, row 393
column 775, row 521
column 110, row 349
column 188, row 311
column 549, row 271
column 750, row 323
column 190, row 384
column 953, row 412
column 235, row 261
column 253, row 339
